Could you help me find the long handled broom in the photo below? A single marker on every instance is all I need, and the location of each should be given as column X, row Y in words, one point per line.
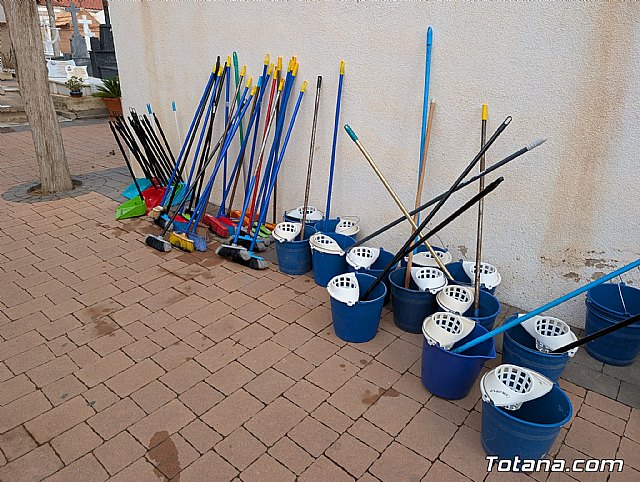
column 158, row 242
column 423, row 161
column 311, row 149
column 483, row 138
column 395, row 197
column 230, row 250
column 135, row 206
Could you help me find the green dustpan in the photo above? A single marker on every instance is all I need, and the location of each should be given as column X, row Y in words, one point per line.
column 133, row 208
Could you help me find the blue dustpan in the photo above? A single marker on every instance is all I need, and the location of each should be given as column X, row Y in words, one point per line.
column 130, row 192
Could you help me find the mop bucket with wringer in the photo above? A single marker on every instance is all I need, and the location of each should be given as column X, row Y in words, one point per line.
column 295, row 215
column 348, row 227
column 451, row 375
column 520, row 348
column 522, row 413
column 607, row 304
column 422, row 257
column 294, row 256
column 328, row 255
column 382, row 260
column 355, row 321
column 463, row 273
column 410, row 305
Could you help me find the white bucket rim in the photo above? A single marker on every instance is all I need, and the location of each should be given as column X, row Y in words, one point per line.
column 344, row 288
column 362, row 257
column 445, row 329
column 550, row 333
column 428, row 278
column 455, row 298
column 509, row 386
column 489, row 275
column 286, row 231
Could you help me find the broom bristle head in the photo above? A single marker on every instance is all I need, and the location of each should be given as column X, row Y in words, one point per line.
column 156, row 212
column 199, row 242
column 231, row 251
column 157, row 243
column 253, row 262
column 181, row 241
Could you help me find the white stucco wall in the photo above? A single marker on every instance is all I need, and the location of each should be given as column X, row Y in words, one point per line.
column 569, row 72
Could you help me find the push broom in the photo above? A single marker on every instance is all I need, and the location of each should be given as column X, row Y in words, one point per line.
column 230, row 250
column 423, row 161
column 200, row 242
column 158, row 242
column 518, row 320
column 463, row 184
column 254, row 262
column 395, row 197
column 184, row 150
column 441, row 202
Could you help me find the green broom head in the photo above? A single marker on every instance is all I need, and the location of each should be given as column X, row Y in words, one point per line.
column 133, row 208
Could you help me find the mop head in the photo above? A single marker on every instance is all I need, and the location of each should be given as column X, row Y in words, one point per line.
column 181, row 241
column 157, row 243
column 254, row 262
column 233, row 251
column 156, row 212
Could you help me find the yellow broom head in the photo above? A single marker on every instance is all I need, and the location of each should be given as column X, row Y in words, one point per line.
column 181, row 241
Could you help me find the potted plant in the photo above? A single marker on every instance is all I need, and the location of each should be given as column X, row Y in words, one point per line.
column 110, row 93
column 74, row 84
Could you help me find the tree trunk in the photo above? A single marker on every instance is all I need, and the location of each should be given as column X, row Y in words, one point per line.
column 24, row 31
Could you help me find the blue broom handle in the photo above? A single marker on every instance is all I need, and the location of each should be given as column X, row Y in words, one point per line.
column 247, row 195
column 203, row 130
column 335, row 141
column 244, row 141
column 276, row 168
column 203, row 99
column 267, row 173
column 425, row 100
column 548, row 306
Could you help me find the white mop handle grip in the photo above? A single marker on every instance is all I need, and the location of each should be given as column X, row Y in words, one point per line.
column 548, row 306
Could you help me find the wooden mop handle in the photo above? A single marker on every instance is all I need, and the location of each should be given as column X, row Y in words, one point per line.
column 395, row 198
column 425, row 149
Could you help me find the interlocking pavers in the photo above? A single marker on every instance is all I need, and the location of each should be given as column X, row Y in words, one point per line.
column 104, row 339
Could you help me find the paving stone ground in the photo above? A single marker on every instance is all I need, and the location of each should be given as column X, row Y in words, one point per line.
column 121, row 363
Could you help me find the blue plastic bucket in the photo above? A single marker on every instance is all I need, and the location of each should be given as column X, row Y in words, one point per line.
column 420, row 249
column 461, row 278
column 294, row 257
column 519, row 348
column 376, row 268
column 452, row 375
column 359, row 323
column 326, row 266
column 619, row 348
column 528, row 432
column 329, row 226
column 296, row 220
column 488, row 310
column 605, row 299
column 410, row 305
